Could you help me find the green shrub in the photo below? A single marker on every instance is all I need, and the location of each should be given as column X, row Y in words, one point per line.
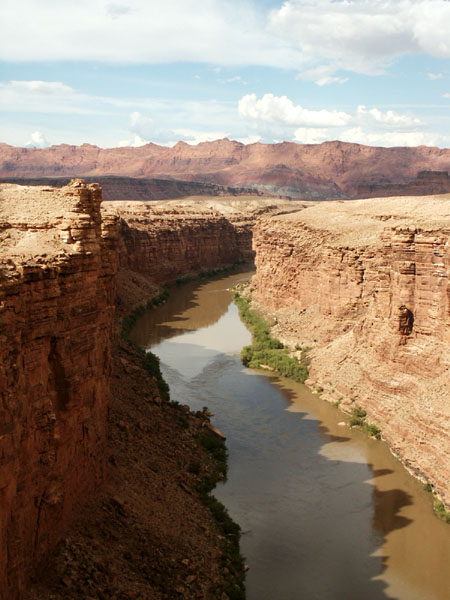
column 231, row 555
column 194, row 467
column 440, row 511
column 264, row 349
column 216, row 447
column 358, row 419
column 130, row 320
column 372, row 430
column 153, row 368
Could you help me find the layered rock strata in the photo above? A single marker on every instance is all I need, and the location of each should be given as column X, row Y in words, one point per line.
column 57, row 285
column 309, row 171
column 59, row 262
column 366, row 285
column 165, row 244
column 426, row 183
column 163, row 241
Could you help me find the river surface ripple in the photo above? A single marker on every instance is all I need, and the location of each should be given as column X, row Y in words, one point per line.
column 329, row 513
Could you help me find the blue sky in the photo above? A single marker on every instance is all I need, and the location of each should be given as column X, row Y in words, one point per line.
column 127, row 72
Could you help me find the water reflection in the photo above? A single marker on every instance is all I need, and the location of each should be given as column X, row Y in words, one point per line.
column 332, row 515
column 190, row 307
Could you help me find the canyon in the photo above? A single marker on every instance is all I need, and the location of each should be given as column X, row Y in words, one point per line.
column 88, row 444
column 363, row 285
column 307, row 171
column 73, row 393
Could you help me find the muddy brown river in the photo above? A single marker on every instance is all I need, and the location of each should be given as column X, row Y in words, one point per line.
column 329, row 513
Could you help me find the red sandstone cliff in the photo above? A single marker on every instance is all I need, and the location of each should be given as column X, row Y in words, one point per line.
column 366, row 284
column 163, row 241
column 58, row 261
column 168, row 243
column 328, row 170
column 57, row 270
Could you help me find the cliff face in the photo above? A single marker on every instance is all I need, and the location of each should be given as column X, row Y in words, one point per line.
column 166, row 244
column 57, row 270
column 163, row 241
column 309, row 171
column 366, row 285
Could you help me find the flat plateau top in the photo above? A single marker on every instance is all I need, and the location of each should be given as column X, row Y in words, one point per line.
column 35, row 205
column 353, row 223
column 201, row 205
column 33, row 218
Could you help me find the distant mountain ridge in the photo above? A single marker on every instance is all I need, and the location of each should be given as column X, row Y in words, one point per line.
column 310, row 171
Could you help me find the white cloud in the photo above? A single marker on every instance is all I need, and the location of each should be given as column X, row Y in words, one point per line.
column 37, row 140
column 139, row 31
column 236, row 78
column 322, row 75
column 392, row 138
column 434, row 76
column 273, row 117
column 388, row 119
column 280, row 110
column 309, row 135
column 363, row 36
column 146, row 129
column 248, row 139
column 47, row 88
column 134, row 143
column 115, row 10
column 446, row 95
column 48, row 97
column 196, row 136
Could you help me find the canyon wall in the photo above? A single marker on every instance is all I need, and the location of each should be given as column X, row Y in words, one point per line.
column 307, row 171
column 57, row 286
column 366, row 286
column 61, row 256
column 165, row 243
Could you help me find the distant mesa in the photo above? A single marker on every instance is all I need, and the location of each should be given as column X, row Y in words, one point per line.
column 307, row 171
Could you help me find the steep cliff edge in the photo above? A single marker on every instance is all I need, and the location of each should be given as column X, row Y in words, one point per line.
column 57, row 285
column 366, row 285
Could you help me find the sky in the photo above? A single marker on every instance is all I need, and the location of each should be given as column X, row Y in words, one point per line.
column 129, row 72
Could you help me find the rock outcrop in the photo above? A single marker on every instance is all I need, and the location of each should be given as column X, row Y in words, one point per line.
column 58, row 264
column 366, row 285
column 308, row 171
